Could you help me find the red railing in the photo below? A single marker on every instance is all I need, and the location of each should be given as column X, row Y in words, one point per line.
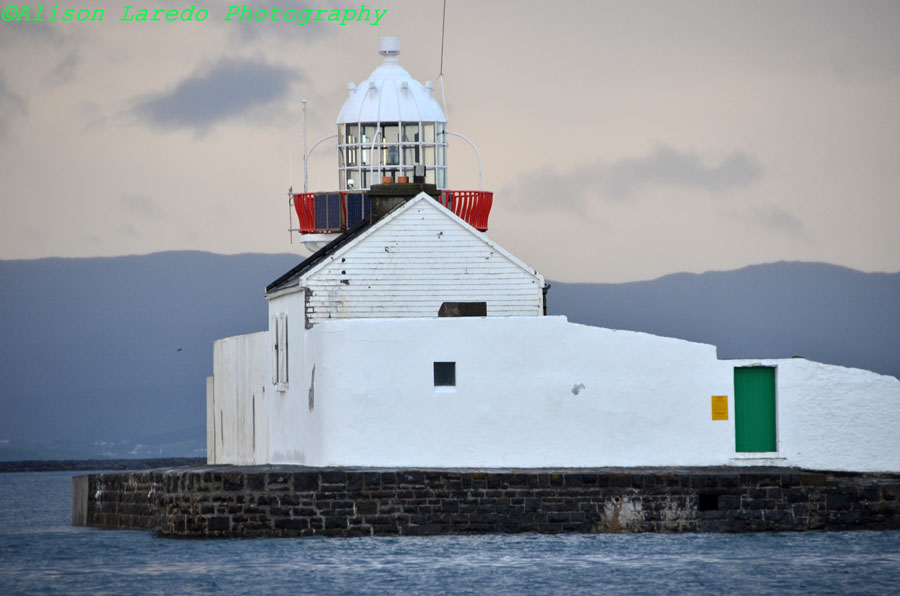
column 304, row 205
column 330, row 212
column 473, row 206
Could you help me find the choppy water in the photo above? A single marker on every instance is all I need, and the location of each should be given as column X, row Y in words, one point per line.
column 40, row 553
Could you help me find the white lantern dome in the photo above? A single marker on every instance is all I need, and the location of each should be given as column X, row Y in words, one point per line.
column 389, row 124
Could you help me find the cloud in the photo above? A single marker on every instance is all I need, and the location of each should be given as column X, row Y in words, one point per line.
column 64, row 71
column 93, row 115
column 665, row 166
column 128, row 231
column 142, row 206
column 11, row 107
column 36, row 32
column 662, row 167
column 211, row 95
column 772, row 217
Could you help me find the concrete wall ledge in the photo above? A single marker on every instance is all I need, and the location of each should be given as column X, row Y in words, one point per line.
column 295, row 501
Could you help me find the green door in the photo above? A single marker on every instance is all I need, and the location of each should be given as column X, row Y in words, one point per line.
column 754, row 408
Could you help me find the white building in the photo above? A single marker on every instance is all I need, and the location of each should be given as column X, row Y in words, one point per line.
column 411, row 339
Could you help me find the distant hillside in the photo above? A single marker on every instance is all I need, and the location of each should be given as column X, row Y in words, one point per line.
column 822, row 312
column 97, row 354
column 108, row 357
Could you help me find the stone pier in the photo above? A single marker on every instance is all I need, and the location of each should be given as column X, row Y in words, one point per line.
column 294, row 501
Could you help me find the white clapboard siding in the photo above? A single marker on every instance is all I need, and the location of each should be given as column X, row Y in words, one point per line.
column 419, row 257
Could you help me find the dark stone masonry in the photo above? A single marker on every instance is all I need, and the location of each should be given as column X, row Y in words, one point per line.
column 295, row 501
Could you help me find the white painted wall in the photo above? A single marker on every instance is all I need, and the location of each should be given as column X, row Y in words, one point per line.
column 294, row 431
column 240, row 387
column 645, row 400
column 832, row 417
column 642, row 400
column 412, row 262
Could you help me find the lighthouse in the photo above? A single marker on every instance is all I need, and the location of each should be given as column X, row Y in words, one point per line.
column 409, row 338
column 390, row 130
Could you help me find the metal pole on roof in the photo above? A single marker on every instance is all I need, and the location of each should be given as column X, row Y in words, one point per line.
column 440, row 76
column 291, row 195
column 443, row 26
column 305, row 153
column 290, row 213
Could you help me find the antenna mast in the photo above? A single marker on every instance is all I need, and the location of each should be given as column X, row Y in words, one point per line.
column 290, row 196
column 443, row 25
column 441, row 71
column 305, row 175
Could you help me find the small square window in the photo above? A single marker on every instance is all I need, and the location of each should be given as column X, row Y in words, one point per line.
column 444, row 374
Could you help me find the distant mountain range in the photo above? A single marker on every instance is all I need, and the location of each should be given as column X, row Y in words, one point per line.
column 821, row 312
column 107, row 357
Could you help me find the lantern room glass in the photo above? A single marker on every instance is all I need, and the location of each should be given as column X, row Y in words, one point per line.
column 398, row 146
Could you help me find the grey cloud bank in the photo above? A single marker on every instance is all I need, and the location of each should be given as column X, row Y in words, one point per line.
column 664, row 166
column 223, row 91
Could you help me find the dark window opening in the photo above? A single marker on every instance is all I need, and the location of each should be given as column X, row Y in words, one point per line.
column 708, row 503
column 444, row 374
column 463, row 309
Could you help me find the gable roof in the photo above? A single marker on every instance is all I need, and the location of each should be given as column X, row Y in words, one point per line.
column 351, row 238
column 314, row 259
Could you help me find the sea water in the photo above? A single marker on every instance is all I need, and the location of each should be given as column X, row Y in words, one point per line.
column 41, row 553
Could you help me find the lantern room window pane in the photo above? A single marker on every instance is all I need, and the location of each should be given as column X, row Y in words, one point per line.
column 352, row 134
column 441, row 155
column 428, row 133
column 429, row 176
column 439, row 133
column 410, row 133
column 368, row 133
column 391, row 156
column 441, row 178
column 429, row 155
column 391, row 133
column 410, row 155
column 352, row 155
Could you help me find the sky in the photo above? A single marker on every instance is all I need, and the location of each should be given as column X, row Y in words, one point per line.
column 622, row 140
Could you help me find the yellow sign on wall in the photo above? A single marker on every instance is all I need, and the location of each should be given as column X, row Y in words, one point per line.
column 720, row 407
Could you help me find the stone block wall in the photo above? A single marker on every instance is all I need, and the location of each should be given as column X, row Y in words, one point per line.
column 294, row 501
column 122, row 501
